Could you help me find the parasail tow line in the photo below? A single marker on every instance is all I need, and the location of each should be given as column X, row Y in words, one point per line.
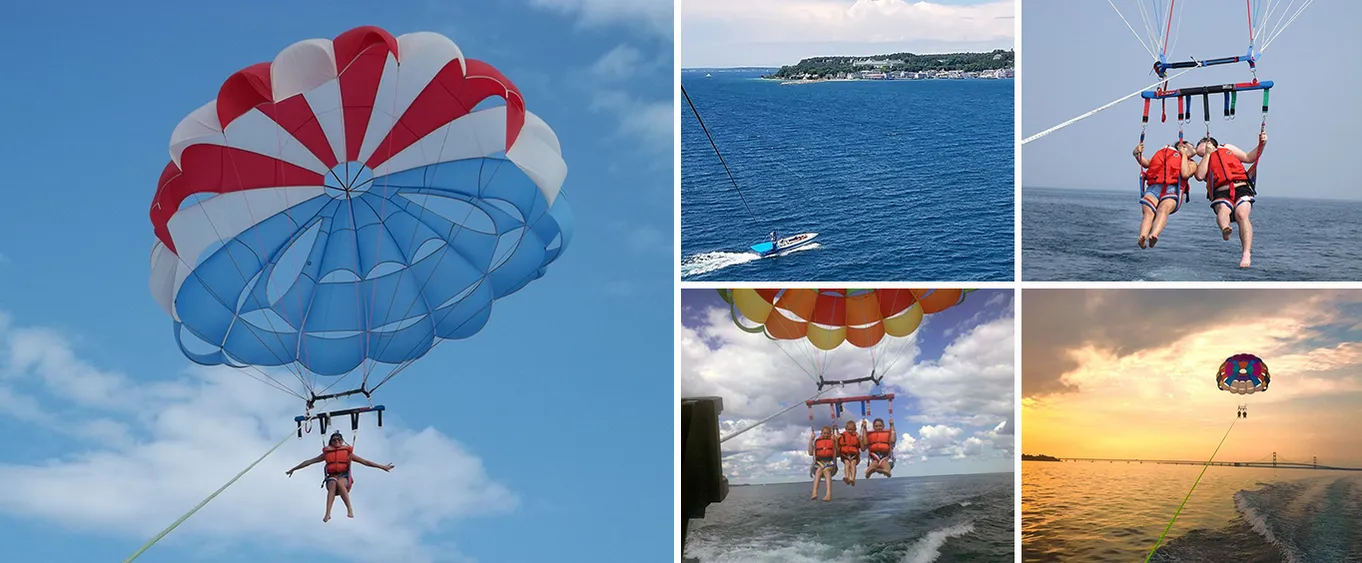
column 719, row 154
column 764, row 420
column 177, row 523
column 1189, row 494
column 1094, row 112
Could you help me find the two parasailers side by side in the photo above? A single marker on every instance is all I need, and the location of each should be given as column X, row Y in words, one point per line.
column 1230, row 187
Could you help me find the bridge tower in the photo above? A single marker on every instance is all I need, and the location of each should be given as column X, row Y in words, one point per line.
column 1314, row 460
column 1274, row 459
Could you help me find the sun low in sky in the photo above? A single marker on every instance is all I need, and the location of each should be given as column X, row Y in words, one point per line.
column 953, row 379
column 1131, row 374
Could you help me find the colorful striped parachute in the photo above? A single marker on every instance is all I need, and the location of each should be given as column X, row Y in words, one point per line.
column 813, row 322
column 828, row 317
column 353, row 203
column 1243, row 374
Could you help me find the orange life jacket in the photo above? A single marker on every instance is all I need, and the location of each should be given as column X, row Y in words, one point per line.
column 337, row 459
column 880, row 441
column 851, row 443
column 1226, row 169
column 824, row 448
column 1165, row 169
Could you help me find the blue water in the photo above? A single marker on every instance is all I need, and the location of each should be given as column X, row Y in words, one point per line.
column 901, row 179
column 1074, row 235
column 964, row 518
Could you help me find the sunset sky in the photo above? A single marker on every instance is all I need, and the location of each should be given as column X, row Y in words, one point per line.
column 1131, row 373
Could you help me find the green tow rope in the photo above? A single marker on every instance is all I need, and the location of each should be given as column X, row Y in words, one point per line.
column 163, row 533
column 1189, row 493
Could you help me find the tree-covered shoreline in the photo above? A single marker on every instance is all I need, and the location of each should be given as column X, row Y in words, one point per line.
column 898, row 62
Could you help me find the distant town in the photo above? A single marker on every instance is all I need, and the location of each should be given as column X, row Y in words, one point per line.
column 999, row 64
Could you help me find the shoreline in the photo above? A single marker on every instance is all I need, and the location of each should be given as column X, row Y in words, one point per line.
column 797, row 81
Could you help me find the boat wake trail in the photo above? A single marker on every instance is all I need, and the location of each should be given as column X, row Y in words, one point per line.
column 1308, row 521
column 708, row 262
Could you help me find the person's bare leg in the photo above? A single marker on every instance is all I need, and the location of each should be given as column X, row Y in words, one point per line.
column 1245, row 232
column 1145, row 223
column 817, row 476
column 344, row 491
column 1166, row 208
column 1222, row 220
column 827, row 494
column 330, row 499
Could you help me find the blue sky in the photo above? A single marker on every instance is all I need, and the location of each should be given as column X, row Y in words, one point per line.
column 1078, row 56
column 771, row 33
column 953, row 377
column 110, row 434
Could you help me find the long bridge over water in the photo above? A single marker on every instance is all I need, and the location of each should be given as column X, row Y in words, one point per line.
column 1274, row 463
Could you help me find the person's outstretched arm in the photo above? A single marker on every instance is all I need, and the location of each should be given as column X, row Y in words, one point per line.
column 363, row 461
column 305, row 464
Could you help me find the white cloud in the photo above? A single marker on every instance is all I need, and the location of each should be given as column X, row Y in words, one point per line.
column 167, row 445
column 974, row 376
column 651, row 122
column 655, row 15
column 777, row 32
column 618, row 63
column 864, row 21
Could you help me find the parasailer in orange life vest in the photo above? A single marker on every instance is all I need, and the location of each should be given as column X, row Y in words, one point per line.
column 1229, row 186
column 823, row 448
column 338, row 457
column 849, row 446
column 880, row 448
column 1165, row 186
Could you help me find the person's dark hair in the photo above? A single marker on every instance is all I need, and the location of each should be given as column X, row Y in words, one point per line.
column 335, row 435
column 1210, row 140
column 879, row 420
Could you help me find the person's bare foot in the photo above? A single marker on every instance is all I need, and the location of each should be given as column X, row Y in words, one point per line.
column 326, row 518
column 1244, row 262
column 1153, row 240
column 814, row 497
column 1141, row 241
column 827, row 498
column 1225, row 232
column 350, row 514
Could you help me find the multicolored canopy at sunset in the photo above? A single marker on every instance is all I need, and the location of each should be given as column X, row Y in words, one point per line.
column 1243, row 374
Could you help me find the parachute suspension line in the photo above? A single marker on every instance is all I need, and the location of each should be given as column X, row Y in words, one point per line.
column 1189, row 493
column 782, row 411
column 1168, row 30
column 1282, row 23
column 1094, row 112
column 457, row 228
column 260, row 239
column 719, row 154
column 436, row 322
column 1142, row 41
column 272, row 381
column 177, row 523
column 264, row 376
column 378, row 247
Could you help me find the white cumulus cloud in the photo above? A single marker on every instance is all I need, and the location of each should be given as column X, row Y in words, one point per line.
column 161, row 446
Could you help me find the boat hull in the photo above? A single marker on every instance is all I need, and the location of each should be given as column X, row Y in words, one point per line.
column 788, row 243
